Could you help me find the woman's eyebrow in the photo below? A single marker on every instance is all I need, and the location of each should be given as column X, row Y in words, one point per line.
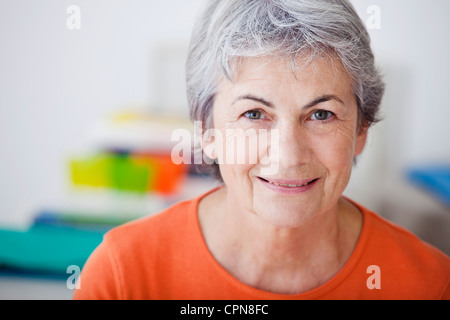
column 323, row 98
column 254, row 98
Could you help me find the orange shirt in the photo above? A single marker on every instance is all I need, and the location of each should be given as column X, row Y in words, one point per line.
column 164, row 256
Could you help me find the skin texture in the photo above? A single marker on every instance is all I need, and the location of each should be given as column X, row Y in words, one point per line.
column 284, row 239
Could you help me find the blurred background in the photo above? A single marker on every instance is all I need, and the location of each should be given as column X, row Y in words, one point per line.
column 91, row 90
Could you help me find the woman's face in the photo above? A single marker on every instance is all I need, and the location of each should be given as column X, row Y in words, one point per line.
column 301, row 134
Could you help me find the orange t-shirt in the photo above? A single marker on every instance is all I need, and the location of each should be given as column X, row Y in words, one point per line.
column 164, row 256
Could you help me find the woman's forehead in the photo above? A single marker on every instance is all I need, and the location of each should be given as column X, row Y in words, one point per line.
column 269, row 73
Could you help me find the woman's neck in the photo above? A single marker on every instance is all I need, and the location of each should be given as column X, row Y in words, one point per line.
column 281, row 260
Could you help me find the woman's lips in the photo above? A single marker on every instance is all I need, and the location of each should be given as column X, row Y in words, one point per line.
column 289, row 186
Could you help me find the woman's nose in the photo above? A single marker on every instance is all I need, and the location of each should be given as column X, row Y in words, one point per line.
column 293, row 145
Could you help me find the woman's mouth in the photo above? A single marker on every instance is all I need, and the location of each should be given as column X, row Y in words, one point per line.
column 289, row 186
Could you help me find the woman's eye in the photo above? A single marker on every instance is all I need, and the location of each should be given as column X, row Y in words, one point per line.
column 321, row 115
column 254, row 115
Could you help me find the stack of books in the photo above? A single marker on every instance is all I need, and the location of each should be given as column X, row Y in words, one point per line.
column 127, row 173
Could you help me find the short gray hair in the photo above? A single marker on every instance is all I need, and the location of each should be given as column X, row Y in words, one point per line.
column 230, row 29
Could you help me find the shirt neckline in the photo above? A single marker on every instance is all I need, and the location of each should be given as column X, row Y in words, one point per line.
column 255, row 293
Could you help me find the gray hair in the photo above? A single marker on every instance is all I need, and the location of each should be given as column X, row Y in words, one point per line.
column 231, row 29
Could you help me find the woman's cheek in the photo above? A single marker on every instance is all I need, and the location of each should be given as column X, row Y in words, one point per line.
column 241, row 142
column 336, row 149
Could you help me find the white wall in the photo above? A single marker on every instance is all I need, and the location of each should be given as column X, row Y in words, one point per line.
column 56, row 83
column 412, row 48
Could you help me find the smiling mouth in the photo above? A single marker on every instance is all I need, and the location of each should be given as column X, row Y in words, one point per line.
column 289, row 184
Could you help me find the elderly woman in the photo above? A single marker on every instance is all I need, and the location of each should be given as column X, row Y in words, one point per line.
column 301, row 74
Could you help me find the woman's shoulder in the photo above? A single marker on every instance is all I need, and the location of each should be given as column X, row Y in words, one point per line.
column 154, row 226
column 387, row 234
column 402, row 256
column 177, row 215
column 170, row 230
column 383, row 233
column 134, row 252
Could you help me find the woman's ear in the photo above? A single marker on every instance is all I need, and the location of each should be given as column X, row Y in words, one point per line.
column 361, row 140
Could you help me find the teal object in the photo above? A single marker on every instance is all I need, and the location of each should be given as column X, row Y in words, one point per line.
column 47, row 249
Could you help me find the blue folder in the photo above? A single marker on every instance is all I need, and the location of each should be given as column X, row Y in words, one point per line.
column 433, row 179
